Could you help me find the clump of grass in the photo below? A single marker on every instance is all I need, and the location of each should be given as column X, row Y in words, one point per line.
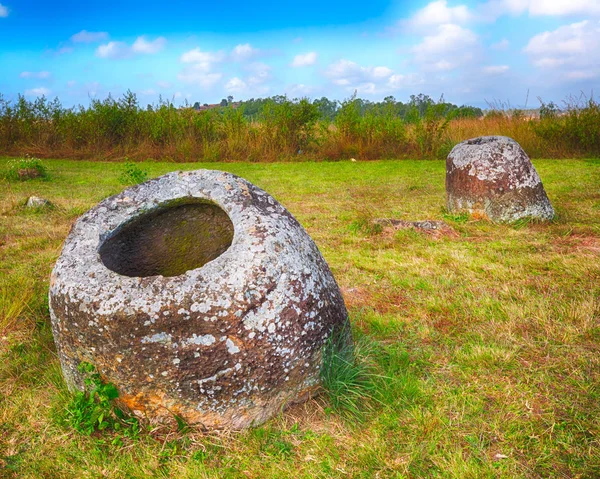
column 26, row 168
column 95, row 410
column 349, row 376
column 365, row 225
column 132, row 174
column 365, row 221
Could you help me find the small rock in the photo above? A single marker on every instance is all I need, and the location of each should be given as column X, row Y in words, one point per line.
column 492, row 177
column 500, row 456
column 37, row 202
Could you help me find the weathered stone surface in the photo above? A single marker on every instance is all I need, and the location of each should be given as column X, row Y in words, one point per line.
column 196, row 294
column 492, row 177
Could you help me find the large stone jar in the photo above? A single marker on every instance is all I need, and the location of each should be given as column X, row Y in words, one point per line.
column 492, row 177
column 196, row 294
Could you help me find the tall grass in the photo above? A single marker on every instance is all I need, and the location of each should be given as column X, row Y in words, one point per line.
column 284, row 129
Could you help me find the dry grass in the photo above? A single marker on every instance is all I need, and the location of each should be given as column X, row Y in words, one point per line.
column 489, row 337
column 283, row 131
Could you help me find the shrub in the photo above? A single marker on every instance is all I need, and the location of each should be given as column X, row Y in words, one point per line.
column 280, row 128
column 577, row 128
column 430, row 132
column 26, row 168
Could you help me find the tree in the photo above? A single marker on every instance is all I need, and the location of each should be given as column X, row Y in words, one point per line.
column 229, row 99
column 196, row 105
column 223, row 102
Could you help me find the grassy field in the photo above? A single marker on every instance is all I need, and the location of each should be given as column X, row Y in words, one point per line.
column 488, row 339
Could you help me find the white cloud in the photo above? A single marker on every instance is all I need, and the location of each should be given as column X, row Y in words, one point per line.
column 346, row 73
column 496, row 69
column 198, row 56
column 123, row 50
column 564, row 7
column 236, row 85
column 41, row 91
column 451, row 47
column 260, row 73
column 439, row 13
column 71, row 83
column 367, row 80
column 244, row 52
column 573, row 50
column 501, row 45
column 89, row 37
column 255, row 83
column 40, row 75
column 113, row 50
column 300, row 89
column 3, row 11
column 199, row 76
column 200, row 67
column 496, row 8
column 164, row 84
column 141, row 45
column 148, row 92
column 304, row 59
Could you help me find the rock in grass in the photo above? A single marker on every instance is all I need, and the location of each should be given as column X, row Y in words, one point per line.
column 433, row 228
column 196, row 294
column 492, row 177
column 37, row 202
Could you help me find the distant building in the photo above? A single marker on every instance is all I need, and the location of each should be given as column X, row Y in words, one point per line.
column 206, row 106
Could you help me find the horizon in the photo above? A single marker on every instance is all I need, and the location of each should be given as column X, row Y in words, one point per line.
column 471, row 52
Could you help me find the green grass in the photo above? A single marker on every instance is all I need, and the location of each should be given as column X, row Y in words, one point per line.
column 483, row 347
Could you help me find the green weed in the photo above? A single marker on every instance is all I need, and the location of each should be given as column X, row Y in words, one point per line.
column 94, row 409
column 132, row 174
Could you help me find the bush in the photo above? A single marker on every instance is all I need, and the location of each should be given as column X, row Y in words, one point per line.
column 280, row 128
column 577, row 128
column 26, row 168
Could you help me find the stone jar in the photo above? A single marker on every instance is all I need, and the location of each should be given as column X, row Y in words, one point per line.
column 196, row 294
column 492, row 177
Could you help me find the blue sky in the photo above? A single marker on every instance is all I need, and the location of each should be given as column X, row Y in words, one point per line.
column 471, row 51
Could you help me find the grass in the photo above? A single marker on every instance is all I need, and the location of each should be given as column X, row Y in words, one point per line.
column 483, row 347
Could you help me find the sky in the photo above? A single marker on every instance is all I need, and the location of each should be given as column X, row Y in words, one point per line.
column 476, row 52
